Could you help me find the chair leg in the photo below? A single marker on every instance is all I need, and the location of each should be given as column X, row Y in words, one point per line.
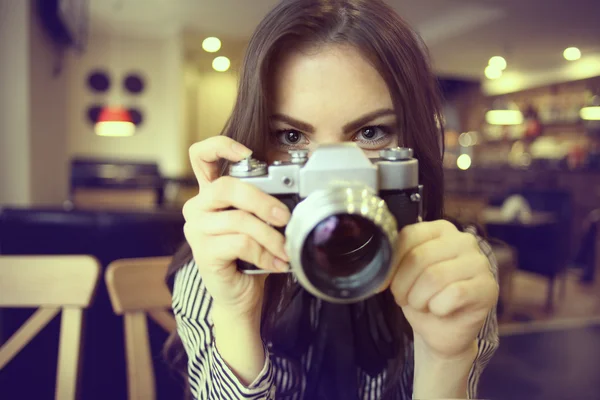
column 563, row 286
column 550, row 296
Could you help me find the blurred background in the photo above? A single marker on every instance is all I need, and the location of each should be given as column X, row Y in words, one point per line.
column 100, row 100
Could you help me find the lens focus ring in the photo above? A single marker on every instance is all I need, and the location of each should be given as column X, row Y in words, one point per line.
column 343, row 199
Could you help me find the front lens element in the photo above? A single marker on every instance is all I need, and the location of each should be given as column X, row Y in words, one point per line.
column 340, row 241
column 346, row 256
column 342, row 245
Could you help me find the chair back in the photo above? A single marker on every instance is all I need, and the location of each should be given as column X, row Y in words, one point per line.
column 137, row 288
column 54, row 285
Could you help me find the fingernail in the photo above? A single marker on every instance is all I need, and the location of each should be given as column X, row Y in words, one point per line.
column 241, row 149
column 280, row 215
column 281, row 265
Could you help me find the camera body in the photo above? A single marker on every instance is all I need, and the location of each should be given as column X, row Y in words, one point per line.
column 346, row 212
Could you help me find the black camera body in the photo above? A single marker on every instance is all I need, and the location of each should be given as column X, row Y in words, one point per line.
column 346, row 210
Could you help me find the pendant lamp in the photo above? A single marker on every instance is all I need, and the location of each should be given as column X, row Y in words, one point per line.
column 114, row 121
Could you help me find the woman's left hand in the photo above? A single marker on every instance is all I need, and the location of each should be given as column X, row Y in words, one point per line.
column 444, row 286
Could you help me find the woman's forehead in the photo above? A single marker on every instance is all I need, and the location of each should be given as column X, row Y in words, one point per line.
column 329, row 80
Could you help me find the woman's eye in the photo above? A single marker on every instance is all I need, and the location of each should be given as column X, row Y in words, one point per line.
column 374, row 136
column 289, row 137
column 369, row 132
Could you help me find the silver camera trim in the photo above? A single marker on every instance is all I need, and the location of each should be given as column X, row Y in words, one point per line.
column 306, row 178
column 341, row 198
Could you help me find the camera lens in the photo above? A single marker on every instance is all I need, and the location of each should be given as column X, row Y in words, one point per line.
column 340, row 241
column 342, row 245
column 345, row 252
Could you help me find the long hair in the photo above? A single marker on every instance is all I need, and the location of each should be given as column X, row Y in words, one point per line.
column 400, row 57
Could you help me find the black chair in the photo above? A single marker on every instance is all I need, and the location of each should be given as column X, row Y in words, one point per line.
column 542, row 249
column 586, row 257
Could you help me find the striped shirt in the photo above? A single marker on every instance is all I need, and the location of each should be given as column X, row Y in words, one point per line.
column 211, row 378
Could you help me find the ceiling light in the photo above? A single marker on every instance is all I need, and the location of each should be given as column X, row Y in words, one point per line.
column 498, row 63
column 211, row 44
column 221, row 64
column 591, row 112
column 572, row 54
column 504, row 114
column 463, row 162
column 492, row 72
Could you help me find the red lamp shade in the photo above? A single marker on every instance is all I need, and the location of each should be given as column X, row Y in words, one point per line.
column 114, row 121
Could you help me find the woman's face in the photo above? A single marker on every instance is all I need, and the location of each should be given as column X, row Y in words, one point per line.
column 329, row 94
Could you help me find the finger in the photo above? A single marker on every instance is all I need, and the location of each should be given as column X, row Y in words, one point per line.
column 437, row 277
column 238, row 221
column 475, row 292
column 418, row 259
column 239, row 246
column 227, row 192
column 215, row 254
column 205, row 154
column 413, row 235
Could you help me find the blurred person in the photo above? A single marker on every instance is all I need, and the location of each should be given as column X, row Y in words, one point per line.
column 313, row 68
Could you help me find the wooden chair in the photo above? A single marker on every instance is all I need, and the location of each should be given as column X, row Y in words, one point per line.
column 55, row 284
column 137, row 288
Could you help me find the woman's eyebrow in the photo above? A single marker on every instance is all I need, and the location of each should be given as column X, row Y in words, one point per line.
column 365, row 119
column 303, row 126
column 348, row 128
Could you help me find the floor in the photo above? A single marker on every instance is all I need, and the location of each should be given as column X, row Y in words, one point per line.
column 581, row 301
column 560, row 364
column 547, row 355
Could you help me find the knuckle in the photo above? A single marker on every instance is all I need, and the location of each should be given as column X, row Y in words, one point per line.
column 240, row 218
column 460, row 293
column 397, row 291
column 187, row 230
column 190, row 231
column 221, row 186
column 405, row 232
column 469, row 239
column 445, row 224
column 193, row 149
column 188, row 206
column 244, row 243
column 433, row 277
column 417, row 255
column 264, row 259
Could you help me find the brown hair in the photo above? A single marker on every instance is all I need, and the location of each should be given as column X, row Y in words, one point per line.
column 400, row 57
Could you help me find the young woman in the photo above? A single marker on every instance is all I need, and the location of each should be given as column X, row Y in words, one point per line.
column 315, row 72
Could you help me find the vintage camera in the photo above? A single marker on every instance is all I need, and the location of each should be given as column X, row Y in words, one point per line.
column 346, row 209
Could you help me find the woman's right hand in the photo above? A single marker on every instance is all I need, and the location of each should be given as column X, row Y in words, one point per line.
column 219, row 235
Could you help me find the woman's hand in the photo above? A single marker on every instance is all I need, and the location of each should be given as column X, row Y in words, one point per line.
column 219, row 235
column 445, row 288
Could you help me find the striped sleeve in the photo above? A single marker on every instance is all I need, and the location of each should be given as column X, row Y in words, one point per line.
column 487, row 339
column 209, row 375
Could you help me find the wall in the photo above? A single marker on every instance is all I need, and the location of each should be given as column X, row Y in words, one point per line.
column 210, row 95
column 43, row 121
column 14, row 102
column 216, row 97
column 32, row 111
column 48, row 112
column 209, row 100
column 160, row 138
